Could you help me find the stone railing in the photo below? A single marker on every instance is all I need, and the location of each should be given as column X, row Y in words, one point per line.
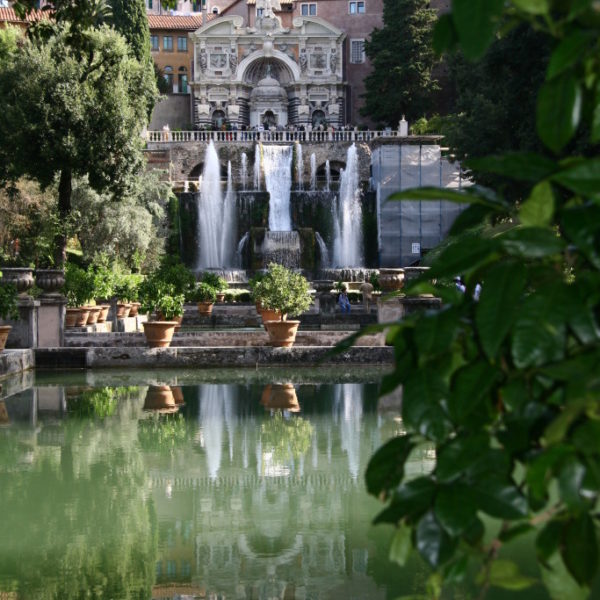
column 310, row 137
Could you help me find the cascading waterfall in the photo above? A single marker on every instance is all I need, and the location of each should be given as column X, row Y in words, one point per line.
column 277, row 168
column 256, row 180
column 241, row 246
column 325, row 262
column 313, row 172
column 347, row 217
column 216, row 216
column 299, row 167
column 327, row 176
column 244, row 171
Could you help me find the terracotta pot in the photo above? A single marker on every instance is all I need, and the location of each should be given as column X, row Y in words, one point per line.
column 177, row 394
column 103, row 313
column 4, row 331
column 160, row 398
column 391, row 280
column 159, row 333
column 94, row 314
column 135, row 306
column 72, row 316
column 269, row 315
column 220, row 297
column 280, row 396
column 21, row 278
column 50, row 281
column 4, row 418
column 123, row 310
column 83, row 316
column 205, row 308
column 282, row 334
column 178, row 320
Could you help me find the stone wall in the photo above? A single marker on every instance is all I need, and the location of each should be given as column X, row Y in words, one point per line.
column 173, row 110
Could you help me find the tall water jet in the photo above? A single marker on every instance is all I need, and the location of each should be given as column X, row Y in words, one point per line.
column 277, row 167
column 347, row 217
column 327, row 176
column 256, row 180
column 313, row 172
column 240, row 249
column 299, row 166
column 229, row 222
column 325, row 262
column 244, row 170
column 216, row 217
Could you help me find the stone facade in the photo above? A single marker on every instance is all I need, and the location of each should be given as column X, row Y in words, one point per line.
column 268, row 75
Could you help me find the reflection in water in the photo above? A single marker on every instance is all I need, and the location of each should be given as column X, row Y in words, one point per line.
column 126, row 505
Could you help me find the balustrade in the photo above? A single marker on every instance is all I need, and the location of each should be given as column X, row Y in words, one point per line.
column 252, row 136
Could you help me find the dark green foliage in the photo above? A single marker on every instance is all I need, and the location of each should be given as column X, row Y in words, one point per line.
column 506, row 387
column 214, row 281
column 79, row 285
column 8, row 301
column 203, row 292
column 402, row 58
column 130, row 20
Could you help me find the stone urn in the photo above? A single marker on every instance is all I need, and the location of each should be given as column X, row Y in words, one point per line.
column 4, row 331
column 21, row 278
column 325, row 299
column 391, row 280
column 205, row 308
column 50, row 281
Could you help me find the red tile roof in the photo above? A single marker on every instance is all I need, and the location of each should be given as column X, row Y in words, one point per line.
column 8, row 15
column 186, row 23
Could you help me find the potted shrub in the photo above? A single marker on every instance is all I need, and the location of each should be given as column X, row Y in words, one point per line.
column 79, row 290
column 8, row 310
column 127, row 291
column 285, row 291
column 204, row 295
column 217, row 282
column 157, row 297
column 104, row 286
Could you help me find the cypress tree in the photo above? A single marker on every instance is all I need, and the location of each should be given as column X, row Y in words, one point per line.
column 130, row 20
column 401, row 82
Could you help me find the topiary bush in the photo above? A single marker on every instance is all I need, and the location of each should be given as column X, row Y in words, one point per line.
column 203, row 292
column 215, row 281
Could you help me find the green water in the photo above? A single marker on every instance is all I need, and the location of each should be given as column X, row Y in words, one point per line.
column 246, row 489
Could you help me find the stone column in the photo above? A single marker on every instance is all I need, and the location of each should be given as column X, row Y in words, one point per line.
column 51, row 312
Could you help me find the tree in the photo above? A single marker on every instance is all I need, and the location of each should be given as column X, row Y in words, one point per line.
column 401, row 82
column 66, row 112
column 130, row 20
column 507, row 387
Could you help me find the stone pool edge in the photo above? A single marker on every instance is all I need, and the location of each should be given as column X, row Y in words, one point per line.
column 194, row 357
column 13, row 362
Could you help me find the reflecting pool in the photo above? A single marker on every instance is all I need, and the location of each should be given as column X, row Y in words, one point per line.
column 215, row 485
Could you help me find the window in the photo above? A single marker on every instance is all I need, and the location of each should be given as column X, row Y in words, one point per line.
column 356, row 8
column 154, row 43
column 197, row 5
column 149, row 4
column 168, row 43
column 308, row 9
column 215, row 10
column 357, row 51
column 181, row 44
column 183, row 80
column 168, row 75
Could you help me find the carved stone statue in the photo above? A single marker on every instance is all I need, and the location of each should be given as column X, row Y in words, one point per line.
column 333, row 60
column 202, row 60
column 233, row 61
column 303, row 60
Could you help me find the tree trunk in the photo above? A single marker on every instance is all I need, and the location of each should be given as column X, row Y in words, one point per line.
column 65, row 188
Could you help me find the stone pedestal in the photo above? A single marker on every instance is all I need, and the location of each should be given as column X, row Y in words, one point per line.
column 51, row 321
column 324, row 299
column 24, row 332
column 390, row 309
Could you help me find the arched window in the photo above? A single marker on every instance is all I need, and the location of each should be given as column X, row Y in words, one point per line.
column 168, row 75
column 215, row 10
column 318, row 118
column 183, row 80
column 218, row 119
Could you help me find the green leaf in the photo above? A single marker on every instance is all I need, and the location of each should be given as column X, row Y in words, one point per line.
column 582, row 178
column 499, row 498
column 435, row 332
column 538, row 209
column 461, row 455
column 580, row 549
column 401, row 545
column 470, row 387
column 595, row 134
column 547, row 540
column 463, row 256
column 522, row 166
column 386, row 467
column 533, row 7
column 455, row 508
column 568, row 53
column 470, row 217
column 581, row 225
column 570, row 480
column 498, row 304
column 475, row 21
column 433, row 543
column 512, row 533
column 559, row 111
column 444, row 34
column 559, row 583
column 411, row 499
column 505, row 574
column 531, row 242
column 541, row 469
